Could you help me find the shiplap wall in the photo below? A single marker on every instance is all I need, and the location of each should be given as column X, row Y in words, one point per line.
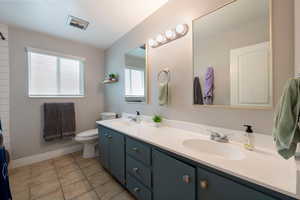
column 4, row 85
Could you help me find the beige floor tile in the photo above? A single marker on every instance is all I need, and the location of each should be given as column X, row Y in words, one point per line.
column 20, row 171
column 63, row 171
column 92, row 169
column 123, row 196
column 72, row 177
column 19, row 187
column 42, row 167
column 44, row 188
column 24, row 195
column 58, row 195
column 85, row 162
column 19, row 179
column 88, row 196
column 99, row 178
column 76, row 189
column 47, row 176
column 77, row 154
column 64, row 161
column 108, row 190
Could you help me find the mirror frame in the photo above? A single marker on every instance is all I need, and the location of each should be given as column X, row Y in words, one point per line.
column 147, row 80
column 271, row 61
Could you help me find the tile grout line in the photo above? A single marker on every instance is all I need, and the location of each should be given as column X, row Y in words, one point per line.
column 61, row 188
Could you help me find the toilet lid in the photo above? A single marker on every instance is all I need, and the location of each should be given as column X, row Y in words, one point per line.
column 88, row 133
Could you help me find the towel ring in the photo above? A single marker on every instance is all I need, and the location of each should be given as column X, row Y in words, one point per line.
column 163, row 76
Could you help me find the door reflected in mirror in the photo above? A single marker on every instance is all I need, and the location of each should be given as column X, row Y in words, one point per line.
column 136, row 75
column 232, row 56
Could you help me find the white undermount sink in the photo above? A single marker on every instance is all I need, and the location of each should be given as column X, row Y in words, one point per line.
column 222, row 150
column 125, row 122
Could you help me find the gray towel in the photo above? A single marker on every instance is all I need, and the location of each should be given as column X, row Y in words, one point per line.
column 198, row 97
column 52, row 124
column 68, row 124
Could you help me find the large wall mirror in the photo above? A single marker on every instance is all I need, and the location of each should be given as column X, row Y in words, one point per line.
column 232, row 56
column 136, row 72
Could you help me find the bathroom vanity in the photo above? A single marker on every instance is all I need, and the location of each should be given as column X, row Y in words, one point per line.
column 148, row 163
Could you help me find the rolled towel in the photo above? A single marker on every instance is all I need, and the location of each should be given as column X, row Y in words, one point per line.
column 163, row 94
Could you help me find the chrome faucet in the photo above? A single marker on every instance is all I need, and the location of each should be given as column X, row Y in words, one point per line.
column 136, row 118
column 218, row 137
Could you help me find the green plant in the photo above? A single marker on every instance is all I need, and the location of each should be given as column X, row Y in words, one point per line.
column 112, row 76
column 157, row 118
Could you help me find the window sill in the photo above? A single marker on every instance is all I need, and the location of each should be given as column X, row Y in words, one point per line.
column 55, row 97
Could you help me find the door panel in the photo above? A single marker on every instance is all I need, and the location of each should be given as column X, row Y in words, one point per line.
column 104, row 147
column 213, row 186
column 117, row 155
column 172, row 179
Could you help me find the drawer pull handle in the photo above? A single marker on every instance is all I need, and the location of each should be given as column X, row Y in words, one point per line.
column 135, row 149
column 135, row 170
column 186, row 179
column 136, row 189
column 109, row 137
column 204, row 184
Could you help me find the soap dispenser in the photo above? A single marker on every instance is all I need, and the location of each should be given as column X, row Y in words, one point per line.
column 249, row 138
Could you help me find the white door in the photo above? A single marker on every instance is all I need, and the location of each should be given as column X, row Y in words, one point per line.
column 251, row 76
column 4, row 85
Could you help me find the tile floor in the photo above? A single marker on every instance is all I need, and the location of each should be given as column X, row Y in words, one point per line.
column 68, row 177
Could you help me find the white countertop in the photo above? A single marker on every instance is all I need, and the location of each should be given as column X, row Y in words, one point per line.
column 262, row 166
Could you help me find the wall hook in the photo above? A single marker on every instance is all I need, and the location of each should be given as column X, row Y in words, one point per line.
column 2, row 36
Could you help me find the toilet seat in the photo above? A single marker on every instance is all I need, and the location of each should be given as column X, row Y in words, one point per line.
column 93, row 133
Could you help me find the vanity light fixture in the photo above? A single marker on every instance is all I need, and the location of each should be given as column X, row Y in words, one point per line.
column 181, row 29
column 161, row 39
column 170, row 35
column 152, row 43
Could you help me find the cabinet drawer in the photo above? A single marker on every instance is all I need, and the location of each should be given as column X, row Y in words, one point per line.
column 138, row 150
column 139, row 171
column 137, row 189
column 213, row 186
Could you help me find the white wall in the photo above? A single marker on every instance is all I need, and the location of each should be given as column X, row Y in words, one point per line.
column 26, row 113
column 297, row 37
column 4, row 85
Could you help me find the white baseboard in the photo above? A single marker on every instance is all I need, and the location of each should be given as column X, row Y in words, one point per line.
column 44, row 156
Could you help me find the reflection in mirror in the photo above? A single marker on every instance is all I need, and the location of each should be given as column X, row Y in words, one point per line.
column 136, row 75
column 232, row 56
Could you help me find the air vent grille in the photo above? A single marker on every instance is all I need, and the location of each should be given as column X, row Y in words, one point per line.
column 77, row 22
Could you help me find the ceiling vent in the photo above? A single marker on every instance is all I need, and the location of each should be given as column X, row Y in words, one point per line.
column 77, row 22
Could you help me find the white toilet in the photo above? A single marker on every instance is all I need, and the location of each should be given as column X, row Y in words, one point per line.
column 89, row 138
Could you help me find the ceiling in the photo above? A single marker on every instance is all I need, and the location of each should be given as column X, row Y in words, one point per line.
column 109, row 19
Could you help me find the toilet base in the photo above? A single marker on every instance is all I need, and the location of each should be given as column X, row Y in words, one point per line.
column 89, row 150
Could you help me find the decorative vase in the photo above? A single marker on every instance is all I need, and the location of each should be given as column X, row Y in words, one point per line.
column 157, row 124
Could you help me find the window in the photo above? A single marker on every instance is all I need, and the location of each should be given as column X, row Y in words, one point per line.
column 52, row 75
column 134, row 82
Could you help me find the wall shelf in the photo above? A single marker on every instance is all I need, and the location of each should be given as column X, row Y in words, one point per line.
column 110, row 81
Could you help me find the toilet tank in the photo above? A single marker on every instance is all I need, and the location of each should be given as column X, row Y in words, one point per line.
column 107, row 115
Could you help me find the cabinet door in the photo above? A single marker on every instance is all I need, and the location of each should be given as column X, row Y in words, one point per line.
column 117, row 155
column 172, row 179
column 104, row 147
column 213, row 186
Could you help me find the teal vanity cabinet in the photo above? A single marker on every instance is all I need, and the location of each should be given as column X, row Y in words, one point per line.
column 213, row 186
column 172, row 179
column 151, row 173
column 112, row 151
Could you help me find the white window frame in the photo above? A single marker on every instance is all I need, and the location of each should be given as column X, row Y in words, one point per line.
column 136, row 96
column 58, row 55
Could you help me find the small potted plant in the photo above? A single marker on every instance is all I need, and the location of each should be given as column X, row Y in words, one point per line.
column 112, row 77
column 157, row 119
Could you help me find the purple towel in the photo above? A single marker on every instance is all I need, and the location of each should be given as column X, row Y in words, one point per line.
column 209, row 86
